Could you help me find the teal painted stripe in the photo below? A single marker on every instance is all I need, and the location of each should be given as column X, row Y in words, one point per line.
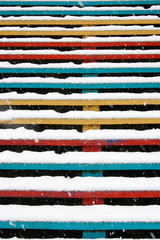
column 90, row 91
column 78, row 3
column 86, row 71
column 93, row 234
column 92, row 174
column 80, row 225
column 80, row 167
column 80, row 85
column 79, row 12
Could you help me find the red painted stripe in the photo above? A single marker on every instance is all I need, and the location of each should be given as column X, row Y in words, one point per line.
column 62, row 142
column 91, row 148
column 79, row 44
column 93, row 201
column 79, row 57
column 81, row 194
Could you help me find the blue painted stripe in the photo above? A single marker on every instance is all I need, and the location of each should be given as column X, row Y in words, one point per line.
column 77, row 3
column 80, row 12
column 80, row 85
column 80, row 225
column 86, row 71
column 80, row 167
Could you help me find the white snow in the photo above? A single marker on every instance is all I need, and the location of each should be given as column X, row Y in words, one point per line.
column 80, row 52
column 88, row 184
column 76, row 96
column 153, row 38
column 22, row 133
column 51, row 114
column 107, row 65
column 80, row 213
column 77, row 80
column 51, row 157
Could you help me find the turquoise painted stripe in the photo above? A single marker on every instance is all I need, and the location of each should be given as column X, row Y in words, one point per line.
column 77, row 3
column 80, row 12
column 80, row 225
column 93, row 234
column 85, row 71
column 92, row 174
column 80, row 167
column 80, row 85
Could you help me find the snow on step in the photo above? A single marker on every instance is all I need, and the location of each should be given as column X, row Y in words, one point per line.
column 51, row 157
column 88, row 184
column 82, row 80
column 75, row 96
column 85, row 214
column 51, row 114
column 78, row 52
column 80, row 157
column 88, row 66
column 84, row 28
column 22, row 133
column 151, row 38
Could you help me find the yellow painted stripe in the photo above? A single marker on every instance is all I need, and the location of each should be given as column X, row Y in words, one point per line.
column 78, row 22
column 81, row 102
column 90, row 127
column 96, row 121
column 80, row 33
column 91, row 108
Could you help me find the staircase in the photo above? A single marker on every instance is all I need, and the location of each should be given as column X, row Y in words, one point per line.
column 80, row 119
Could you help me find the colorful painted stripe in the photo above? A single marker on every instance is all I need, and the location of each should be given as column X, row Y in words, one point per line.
column 79, row 33
column 81, row 57
column 79, row 121
column 75, row 22
column 106, row 142
column 78, row 3
column 80, row 194
column 79, row 167
column 85, row 71
column 98, row 102
column 79, row 12
column 83, row 226
column 36, row 85
column 77, row 44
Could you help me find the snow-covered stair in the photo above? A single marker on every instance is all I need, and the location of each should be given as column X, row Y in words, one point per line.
column 79, row 119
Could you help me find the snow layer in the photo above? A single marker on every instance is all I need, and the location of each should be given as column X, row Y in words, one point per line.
column 76, row 96
column 51, row 114
column 84, row 28
column 22, row 133
column 68, row 17
column 80, row 213
column 76, row 8
column 83, row 65
column 77, row 80
column 80, row 184
column 80, row 52
column 90, row 39
column 79, row 157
